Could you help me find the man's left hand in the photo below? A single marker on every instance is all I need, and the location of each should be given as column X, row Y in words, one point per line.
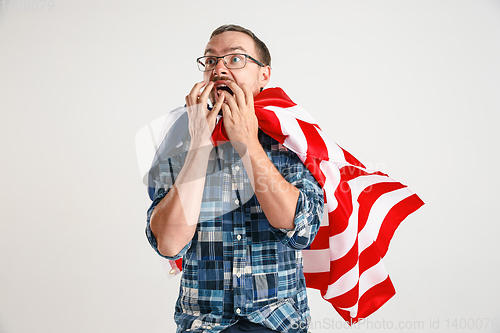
column 240, row 121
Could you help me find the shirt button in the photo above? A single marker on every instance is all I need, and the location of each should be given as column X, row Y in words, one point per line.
column 238, row 311
column 238, row 274
column 236, row 168
column 209, row 327
column 236, row 201
column 238, row 237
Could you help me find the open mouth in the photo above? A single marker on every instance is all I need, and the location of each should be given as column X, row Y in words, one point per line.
column 222, row 87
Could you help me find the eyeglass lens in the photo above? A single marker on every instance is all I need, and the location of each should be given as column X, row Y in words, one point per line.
column 232, row 61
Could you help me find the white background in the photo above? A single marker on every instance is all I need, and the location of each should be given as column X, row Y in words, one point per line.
column 410, row 87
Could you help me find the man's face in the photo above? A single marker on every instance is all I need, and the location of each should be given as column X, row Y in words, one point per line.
column 255, row 76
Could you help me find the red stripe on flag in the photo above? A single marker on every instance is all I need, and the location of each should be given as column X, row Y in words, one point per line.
column 350, row 172
column 394, row 218
column 344, row 264
column 321, row 241
column 339, row 218
column 369, row 257
column 374, row 298
column 314, row 166
column 368, row 303
column 270, row 124
column 346, row 300
column 369, row 195
column 317, row 280
column 316, row 147
column 273, row 97
column 351, row 159
column 178, row 263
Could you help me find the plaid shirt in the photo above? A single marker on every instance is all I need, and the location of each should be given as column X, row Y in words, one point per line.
column 237, row 264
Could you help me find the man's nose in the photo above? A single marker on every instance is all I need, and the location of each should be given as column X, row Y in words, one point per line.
column 220, row 68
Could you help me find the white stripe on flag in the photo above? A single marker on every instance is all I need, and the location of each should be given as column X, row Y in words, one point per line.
column 377, row 214
column 293, row 111
column 316, row 261
column 332, row 175
column 335, row 153
column 342, row 243
column 345, row 283
column 370, row 278
column 324, row 220
column 295, row 140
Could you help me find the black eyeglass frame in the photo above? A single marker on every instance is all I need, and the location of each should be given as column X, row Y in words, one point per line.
column 225, row 63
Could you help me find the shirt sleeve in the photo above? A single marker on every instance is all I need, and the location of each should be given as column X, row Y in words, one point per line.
column 309, row 209
column 164, row 181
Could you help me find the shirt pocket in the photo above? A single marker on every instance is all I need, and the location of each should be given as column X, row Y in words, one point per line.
column 265, row 288
column 281, row 316
column 265, row 277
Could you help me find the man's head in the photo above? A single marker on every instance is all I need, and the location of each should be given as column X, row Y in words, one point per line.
column 233, row 39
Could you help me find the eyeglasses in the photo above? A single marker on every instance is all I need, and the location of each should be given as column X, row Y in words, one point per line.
column 232, row 61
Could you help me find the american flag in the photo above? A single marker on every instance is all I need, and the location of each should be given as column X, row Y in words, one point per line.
column 363, row 209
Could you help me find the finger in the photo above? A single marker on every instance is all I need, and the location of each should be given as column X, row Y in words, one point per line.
column 216, row 108
column 226, row 113
column 248, row 94
column 192, row 97
column 231, row 102
column 238, row 93
column 219, row 102
column 204, row 95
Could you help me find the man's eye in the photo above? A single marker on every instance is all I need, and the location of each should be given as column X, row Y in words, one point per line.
column 210, row 61
column 235, row 59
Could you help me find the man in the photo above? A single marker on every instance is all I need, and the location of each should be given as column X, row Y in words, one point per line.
column 239, row 212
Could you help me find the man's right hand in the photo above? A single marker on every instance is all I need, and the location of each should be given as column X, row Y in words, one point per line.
column 201, row 120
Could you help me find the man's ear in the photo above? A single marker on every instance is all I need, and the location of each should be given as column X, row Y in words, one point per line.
column 265, row 76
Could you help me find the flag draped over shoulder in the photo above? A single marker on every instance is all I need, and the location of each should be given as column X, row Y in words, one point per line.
column 363, row 208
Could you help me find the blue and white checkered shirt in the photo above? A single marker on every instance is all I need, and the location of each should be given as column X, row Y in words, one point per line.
column 238, row 265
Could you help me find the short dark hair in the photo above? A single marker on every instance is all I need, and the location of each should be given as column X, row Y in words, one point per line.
column 265, row 56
